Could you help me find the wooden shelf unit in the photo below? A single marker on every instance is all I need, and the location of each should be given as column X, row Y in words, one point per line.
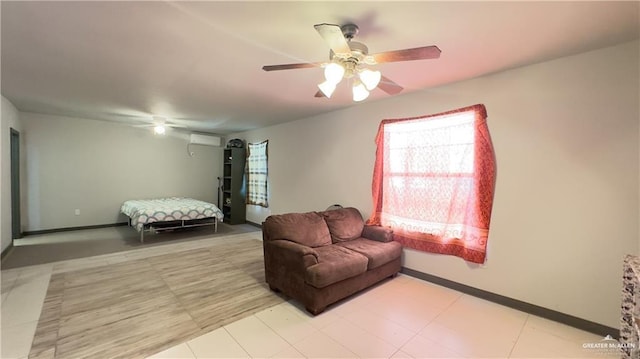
column 233, row 186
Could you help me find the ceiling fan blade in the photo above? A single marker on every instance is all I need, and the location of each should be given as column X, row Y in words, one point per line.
column 332, row 34
column 172, row 125
column 418, row 53
column 389, row 86
column 290, row 66
column 319, row 94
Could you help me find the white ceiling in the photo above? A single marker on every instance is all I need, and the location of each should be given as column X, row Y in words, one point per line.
column 199, row 63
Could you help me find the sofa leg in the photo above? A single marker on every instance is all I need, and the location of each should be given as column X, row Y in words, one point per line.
column 274, row 289
column 315, row 311
column 393, row 275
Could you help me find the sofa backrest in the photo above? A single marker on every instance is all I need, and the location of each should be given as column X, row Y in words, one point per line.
column 309, row 229
column 344, row 224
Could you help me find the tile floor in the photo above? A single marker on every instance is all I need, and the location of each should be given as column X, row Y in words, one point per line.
column 400, row 318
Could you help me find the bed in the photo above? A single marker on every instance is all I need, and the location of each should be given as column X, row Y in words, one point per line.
column 163, row 214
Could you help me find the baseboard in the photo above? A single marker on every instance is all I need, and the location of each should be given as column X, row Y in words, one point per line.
column 556, row 316
column 67, row 229
column 6, row 251
column 254, row 224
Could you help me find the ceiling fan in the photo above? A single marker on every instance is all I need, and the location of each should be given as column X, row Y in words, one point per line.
column 347, row 59
column 160, row 125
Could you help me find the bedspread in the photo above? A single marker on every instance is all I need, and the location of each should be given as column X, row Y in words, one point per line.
column 148, row 211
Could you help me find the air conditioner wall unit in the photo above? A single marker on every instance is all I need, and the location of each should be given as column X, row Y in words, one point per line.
column 205, row 140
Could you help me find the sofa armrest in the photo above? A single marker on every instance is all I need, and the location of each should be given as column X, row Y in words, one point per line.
column 377, row 233
column 290, row 254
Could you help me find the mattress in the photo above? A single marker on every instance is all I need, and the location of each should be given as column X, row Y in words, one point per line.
column 146, row 211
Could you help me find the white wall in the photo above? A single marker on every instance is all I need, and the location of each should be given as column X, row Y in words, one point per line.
column 566, row 135
column 94, row 166
column 9, row 119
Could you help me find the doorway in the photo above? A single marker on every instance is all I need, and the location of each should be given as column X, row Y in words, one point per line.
column 16, row 231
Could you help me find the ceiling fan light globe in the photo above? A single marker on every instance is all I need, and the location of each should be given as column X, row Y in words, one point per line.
column 333, row 72
column 159, row 130
column 327, row 88
column 370, row 78
column 359, row 92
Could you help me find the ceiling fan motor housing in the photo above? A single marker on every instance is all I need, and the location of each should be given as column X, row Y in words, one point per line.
column 349, row 30
column 358, row 52
column 358, row 48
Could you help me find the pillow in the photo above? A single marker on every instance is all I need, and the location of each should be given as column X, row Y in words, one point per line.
column 344, row 224
column 308, row 229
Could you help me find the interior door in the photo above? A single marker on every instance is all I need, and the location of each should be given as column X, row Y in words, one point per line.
column 16, row 231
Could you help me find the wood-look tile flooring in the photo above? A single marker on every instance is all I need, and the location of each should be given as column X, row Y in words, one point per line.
column 141, row 306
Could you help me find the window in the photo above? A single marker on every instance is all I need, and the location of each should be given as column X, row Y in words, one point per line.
column 257, row 171
column 433, row 182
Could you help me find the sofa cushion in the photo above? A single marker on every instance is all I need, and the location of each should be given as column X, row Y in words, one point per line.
column 378, row 253
column 308, row 229
column 344, row 224
column 335, row 264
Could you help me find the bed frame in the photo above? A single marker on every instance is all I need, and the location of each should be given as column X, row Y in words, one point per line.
column 157, row 227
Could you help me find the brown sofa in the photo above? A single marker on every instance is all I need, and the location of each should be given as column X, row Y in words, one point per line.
column 319, row 258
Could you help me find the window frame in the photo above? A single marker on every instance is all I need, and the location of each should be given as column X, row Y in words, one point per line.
column 258, row 187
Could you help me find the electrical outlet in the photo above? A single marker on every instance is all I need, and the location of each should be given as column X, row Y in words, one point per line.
column 77, row 212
